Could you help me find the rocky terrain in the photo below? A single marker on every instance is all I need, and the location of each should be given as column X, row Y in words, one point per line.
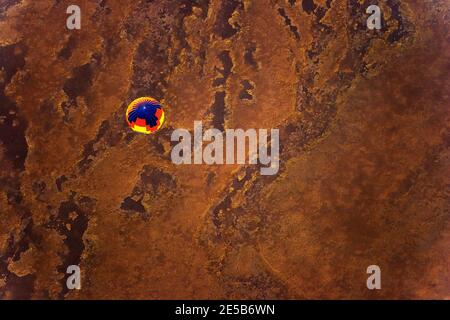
column 364, row 132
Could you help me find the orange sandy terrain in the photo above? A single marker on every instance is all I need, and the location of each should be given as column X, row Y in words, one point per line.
column 364, row 146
